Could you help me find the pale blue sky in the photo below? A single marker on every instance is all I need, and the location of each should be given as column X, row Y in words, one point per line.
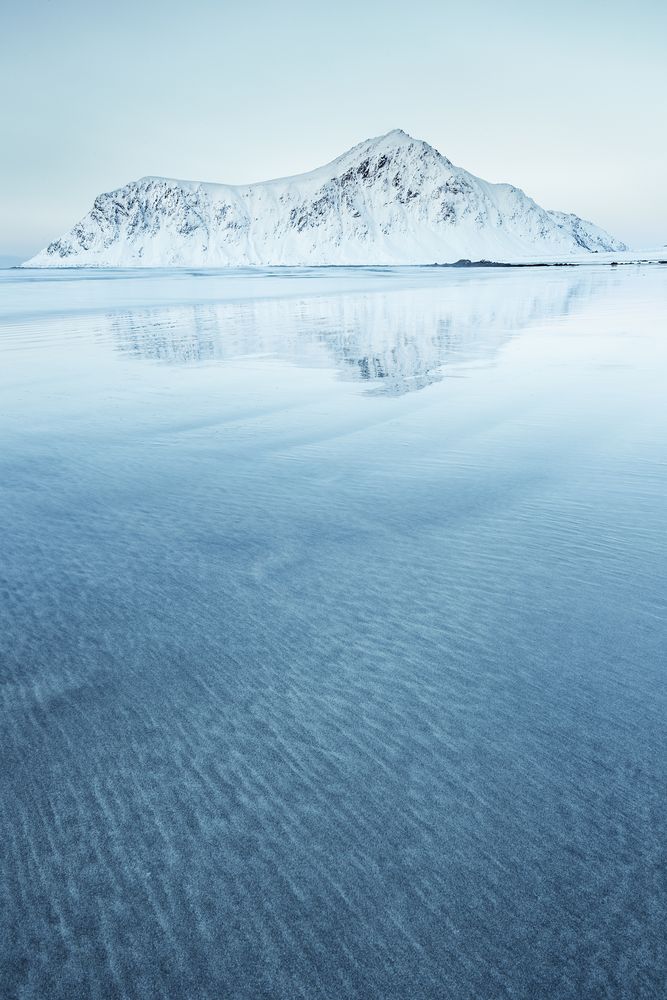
column 565, row 99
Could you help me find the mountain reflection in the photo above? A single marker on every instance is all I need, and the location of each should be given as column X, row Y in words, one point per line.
column 394, row 341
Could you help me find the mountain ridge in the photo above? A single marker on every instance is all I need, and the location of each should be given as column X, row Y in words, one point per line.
column 391, row 199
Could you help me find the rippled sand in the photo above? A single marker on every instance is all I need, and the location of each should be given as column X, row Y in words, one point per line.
column 332, row 634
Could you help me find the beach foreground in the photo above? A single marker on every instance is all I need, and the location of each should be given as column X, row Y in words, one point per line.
column 332, row 623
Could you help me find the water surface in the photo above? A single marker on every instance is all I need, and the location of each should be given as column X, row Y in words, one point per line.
column 332, row 632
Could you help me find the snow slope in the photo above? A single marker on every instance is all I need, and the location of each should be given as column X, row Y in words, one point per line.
column 389, row 200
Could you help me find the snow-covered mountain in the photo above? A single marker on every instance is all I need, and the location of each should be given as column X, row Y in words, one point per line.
column 390, row 200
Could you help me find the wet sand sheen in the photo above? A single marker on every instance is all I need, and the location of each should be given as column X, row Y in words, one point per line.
column 331, row 634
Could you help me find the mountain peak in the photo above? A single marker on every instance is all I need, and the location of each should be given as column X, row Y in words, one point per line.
column 397, row 133
column 389, row 144
column 396, row 137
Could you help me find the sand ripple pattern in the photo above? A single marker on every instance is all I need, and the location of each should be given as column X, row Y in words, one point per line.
column 374, row 714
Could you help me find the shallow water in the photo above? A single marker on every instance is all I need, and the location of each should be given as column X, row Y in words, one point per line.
column 332, row 626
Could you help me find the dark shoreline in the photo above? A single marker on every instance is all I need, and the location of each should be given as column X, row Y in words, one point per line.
column 463, row 263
